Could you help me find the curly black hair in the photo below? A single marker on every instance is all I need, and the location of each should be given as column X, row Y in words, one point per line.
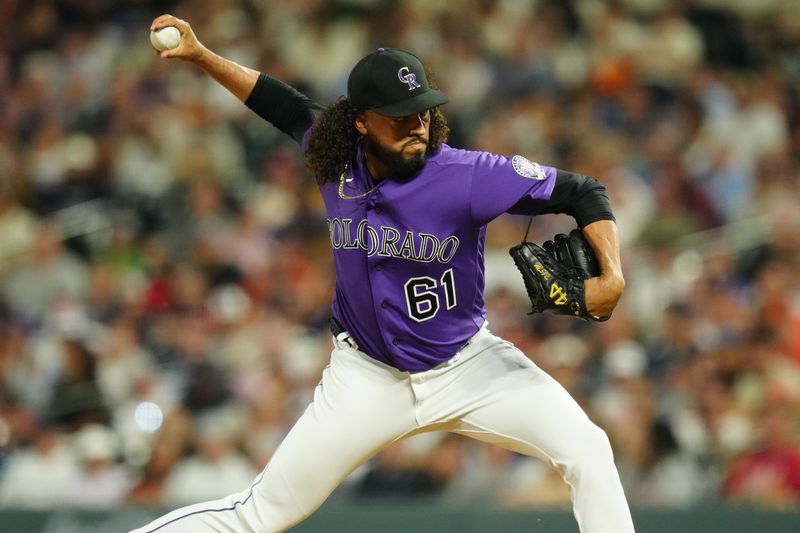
column 333, row 139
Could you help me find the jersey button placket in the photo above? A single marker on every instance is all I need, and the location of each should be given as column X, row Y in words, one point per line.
column 374, row 212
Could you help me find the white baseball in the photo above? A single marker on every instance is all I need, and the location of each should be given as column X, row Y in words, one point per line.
column 165, row 38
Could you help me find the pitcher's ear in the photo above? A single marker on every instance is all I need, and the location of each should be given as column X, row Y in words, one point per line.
column 360, row 123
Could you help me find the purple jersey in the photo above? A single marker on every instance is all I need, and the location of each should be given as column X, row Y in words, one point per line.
column 409, row 254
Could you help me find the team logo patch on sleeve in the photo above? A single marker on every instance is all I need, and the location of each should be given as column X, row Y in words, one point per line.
column 527, row 168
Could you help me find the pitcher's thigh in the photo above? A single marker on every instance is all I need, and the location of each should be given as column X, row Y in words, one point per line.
column 525, row 410
column 355, row 412
column 351, row 418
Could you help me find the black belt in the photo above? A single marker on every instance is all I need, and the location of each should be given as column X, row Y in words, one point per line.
column 336, row 327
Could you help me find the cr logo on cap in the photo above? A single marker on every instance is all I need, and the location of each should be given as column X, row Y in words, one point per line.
column 408, row 77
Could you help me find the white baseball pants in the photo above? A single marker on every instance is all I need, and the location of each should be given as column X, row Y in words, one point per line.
column 489, row 391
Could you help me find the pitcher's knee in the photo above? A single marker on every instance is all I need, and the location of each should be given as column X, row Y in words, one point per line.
column 591, row 451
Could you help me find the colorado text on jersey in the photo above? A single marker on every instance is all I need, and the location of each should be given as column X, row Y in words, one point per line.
column 390, row 242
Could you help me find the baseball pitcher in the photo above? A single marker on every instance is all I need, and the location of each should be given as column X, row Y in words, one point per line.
column 412, row 352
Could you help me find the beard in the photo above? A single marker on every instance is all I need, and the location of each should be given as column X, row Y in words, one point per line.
column 402, row 166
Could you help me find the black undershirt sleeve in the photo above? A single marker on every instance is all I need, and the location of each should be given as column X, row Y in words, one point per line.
column 583, row 198
column 283, row 106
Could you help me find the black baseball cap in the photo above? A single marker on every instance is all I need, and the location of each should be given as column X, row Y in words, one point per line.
column 392, row 82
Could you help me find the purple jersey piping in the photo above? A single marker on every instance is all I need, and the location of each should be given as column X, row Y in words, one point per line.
column 201, row 511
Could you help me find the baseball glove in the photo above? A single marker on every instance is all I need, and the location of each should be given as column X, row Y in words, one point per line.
column 554, row 273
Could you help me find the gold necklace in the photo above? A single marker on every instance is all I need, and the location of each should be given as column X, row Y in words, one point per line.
column 342, row 195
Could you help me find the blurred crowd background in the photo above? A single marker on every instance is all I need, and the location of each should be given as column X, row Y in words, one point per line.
column 165, row 267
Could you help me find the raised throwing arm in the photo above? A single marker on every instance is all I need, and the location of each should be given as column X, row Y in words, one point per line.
column 280, row 104
column 237, row 79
